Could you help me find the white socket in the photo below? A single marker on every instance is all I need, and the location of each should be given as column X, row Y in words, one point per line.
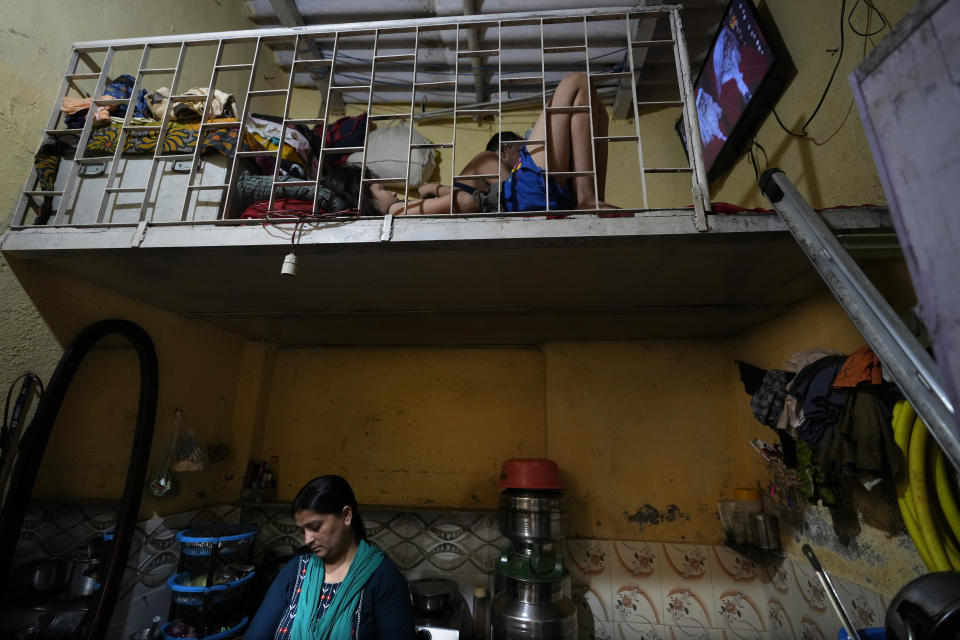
column 289, row 267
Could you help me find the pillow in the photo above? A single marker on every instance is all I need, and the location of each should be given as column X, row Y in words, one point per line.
column 387, row 154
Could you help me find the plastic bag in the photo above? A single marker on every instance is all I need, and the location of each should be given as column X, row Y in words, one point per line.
column 188, row 456
column 160, row 482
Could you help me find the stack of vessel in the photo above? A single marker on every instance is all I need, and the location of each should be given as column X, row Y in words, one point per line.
column 531, row 597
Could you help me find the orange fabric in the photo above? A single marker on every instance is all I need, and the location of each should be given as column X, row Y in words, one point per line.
column 73, row 105
column 860, row 368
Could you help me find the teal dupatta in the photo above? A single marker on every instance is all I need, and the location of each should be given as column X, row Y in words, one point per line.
column 337, row 622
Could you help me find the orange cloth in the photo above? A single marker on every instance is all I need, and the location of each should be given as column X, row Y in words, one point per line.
column 73, row 105
column 860, row 368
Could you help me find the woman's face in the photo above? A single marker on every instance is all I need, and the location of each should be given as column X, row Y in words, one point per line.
column 327, row 534
column 382, row 197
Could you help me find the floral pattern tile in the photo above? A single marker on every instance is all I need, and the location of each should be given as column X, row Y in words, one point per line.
column 781, row 621
column 741, row 614
column 692, row 633
column 589, row 562
column 690, row 562
column 596, row 630
column 812, row 591
column 729, row 634
column 863, row 606
column 591, row 606
column 740, row 592
column 684, row 607
column 633, row 605
column 634, row 631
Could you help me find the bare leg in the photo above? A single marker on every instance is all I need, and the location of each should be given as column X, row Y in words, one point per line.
column 569, row 140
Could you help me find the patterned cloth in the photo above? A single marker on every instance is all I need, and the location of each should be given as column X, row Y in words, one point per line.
column 767, row 402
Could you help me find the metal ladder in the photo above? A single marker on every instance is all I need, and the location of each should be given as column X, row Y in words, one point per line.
column 898, row 349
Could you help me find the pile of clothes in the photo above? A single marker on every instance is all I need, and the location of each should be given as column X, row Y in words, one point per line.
column 832, row 413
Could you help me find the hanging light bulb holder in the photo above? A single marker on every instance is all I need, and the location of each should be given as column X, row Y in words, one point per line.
column 289, row 267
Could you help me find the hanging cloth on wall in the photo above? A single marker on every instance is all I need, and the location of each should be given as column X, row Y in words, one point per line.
column 767, row 402
column 821, row 405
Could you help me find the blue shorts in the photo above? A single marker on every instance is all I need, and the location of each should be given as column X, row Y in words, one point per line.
column 526, row 189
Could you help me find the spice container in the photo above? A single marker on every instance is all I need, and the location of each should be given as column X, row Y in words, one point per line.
column 766, row 534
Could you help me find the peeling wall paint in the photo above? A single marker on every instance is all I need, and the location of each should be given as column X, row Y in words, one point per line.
column 650, row 515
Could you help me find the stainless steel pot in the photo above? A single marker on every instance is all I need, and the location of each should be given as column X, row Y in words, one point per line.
column 432, row 595
column 48, row 576
column 532, row 516
column 533, row 610
column 84, row 579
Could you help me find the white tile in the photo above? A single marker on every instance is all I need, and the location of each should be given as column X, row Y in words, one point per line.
column 631, row 604
column 591, row 606
column 634, row 631
column 588, row 562
column 637, row 568
column 688, row 562
column 813, row 595
column 738, row 587
column 692, row 633
column 783, row 623
column 685, row 607
column 734, row 566
column 862, row 605
column 730, row 634
column 596, row 630
column 739, row 612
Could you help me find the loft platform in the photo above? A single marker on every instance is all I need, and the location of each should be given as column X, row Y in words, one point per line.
column 463, row 280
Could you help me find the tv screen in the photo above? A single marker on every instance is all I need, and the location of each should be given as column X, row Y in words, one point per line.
column 741, row 78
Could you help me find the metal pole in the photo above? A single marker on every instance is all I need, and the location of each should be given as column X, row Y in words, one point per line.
column 900, row 352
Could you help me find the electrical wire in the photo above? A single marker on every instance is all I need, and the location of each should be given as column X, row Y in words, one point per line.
column 870, row 7
column 752, row 158
column 823, row 96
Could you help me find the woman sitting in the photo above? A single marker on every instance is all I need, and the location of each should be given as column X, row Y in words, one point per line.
column 344, row 588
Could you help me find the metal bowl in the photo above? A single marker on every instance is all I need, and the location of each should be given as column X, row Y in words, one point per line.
column 432, row 595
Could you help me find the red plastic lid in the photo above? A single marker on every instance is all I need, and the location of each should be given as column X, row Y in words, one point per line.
column 529, row 473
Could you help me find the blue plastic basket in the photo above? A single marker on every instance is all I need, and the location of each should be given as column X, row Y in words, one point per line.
column 193, row 596
column 231, row 538
column 220, row 635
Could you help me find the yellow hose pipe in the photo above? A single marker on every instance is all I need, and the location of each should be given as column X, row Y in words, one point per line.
column 902, row 424
column 948, row 503
column 918, row 486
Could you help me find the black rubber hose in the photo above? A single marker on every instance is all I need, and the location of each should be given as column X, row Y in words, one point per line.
column 34, row 444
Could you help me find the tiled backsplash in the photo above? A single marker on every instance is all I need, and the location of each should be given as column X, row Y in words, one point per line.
column 624, row 590
column 627, row 590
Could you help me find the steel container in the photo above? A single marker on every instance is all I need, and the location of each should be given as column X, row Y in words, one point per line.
column 532, row 515
column 766, row 534
column 533, row 610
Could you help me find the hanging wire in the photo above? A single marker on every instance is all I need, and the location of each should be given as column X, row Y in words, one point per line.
column 871, row 8
column 823, row 96
column 753, row 160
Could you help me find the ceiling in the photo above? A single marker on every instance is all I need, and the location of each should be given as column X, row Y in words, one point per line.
column 520, row 47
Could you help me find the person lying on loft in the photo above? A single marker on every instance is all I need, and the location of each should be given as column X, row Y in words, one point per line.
column 522, row 186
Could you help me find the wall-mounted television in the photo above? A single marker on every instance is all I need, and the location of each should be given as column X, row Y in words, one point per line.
column 743, row 74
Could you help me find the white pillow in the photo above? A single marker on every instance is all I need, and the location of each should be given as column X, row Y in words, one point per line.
column 387, row 154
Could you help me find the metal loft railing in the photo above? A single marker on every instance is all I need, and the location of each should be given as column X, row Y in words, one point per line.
column 902, row 356
column 97, row 189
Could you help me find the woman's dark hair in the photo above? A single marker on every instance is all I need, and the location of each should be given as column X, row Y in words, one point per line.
column 330, row 494
column 345, row 181
column 506, row 136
